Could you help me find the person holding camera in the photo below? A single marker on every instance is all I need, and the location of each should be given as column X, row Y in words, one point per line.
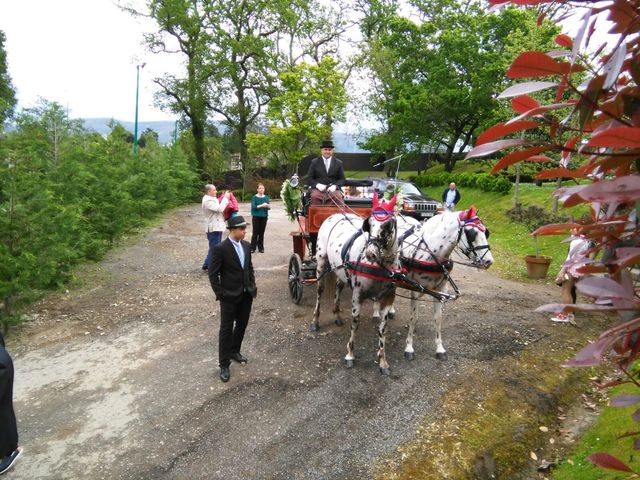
column 213, row 209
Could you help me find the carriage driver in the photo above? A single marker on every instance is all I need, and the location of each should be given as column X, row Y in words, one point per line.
column 325, row 177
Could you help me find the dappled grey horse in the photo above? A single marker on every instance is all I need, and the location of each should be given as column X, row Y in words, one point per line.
column 425, row 251
column 364, row 255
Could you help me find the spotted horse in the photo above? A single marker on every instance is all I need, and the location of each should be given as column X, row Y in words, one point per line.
column 425, row 251
column 364, row 255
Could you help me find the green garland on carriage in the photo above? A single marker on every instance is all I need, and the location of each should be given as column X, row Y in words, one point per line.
column 291, row 199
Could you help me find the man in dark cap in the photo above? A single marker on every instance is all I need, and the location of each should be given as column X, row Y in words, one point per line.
column 325, row 177
column 234, row 284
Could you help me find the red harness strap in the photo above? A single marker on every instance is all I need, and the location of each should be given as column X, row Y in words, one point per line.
column 429, row 268
column 372, row 271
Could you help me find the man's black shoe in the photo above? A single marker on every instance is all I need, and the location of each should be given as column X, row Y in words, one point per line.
column 204, row 267
column 261, row 251
column 225, row 374
column 253, row 250
column 7, row 462
column 238, row 357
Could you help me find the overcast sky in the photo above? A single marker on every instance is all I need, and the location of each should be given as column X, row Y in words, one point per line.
column 81, row 54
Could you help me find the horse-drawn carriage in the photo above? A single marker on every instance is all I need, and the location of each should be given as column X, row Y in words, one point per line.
column 302, row 265
column 373, row 249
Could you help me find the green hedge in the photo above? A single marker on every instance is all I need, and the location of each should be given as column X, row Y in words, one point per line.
column 482, row 181
column 66, row 198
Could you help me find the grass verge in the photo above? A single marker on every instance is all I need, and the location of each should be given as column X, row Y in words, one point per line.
column 603, row 436
column 488, row 428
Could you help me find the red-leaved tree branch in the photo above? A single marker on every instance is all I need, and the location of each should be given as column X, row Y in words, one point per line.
column 591, row 128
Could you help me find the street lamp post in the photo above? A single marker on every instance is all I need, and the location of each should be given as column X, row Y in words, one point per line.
column 135, row 128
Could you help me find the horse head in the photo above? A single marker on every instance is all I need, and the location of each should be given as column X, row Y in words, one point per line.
column 474, row 242
column 382, row 245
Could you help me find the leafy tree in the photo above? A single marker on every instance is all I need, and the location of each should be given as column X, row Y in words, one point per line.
column 7, row 92
column 380, row 62
column 438, row 76
column 245, row 58
column 119, row 133
column 215, row 154
column 148, row 137
column 593, row 126
column 233, row 52
column 307, row 96
column 182, row 31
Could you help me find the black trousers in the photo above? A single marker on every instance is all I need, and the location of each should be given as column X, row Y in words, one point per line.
column 259, row 224
column 234, row 317
column 8, row 426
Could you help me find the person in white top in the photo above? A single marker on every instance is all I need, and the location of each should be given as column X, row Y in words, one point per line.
column 578, row 248
column 214, row 221
column 450, row 196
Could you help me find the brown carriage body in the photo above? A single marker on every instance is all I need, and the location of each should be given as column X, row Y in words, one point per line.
column 302, row 270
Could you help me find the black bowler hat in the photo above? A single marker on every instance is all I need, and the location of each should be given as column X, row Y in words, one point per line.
column 236, row 222
column 327, row 144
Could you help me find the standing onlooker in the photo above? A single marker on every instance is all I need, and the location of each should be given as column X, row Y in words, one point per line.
column 214, row 220
column 259, row 214
column 450, row 196
column 234, row 284
column 579, row 247
column 9, row 450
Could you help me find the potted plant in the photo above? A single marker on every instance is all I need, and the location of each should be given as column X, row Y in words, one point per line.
column 537, row 265
column 534, row 217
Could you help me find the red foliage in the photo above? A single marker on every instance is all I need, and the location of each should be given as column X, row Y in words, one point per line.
column 594, row 129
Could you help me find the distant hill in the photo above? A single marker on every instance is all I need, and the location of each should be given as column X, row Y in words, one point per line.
column 165, row 130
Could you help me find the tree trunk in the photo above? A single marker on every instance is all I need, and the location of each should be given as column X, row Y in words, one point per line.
column 197, row 129
column 449, row 159
column 555, row 198
column 516, row 189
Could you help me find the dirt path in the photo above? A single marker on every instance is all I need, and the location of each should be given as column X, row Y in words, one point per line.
column 119, row 378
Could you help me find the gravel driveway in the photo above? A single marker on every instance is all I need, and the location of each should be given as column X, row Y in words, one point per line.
column 118, row 377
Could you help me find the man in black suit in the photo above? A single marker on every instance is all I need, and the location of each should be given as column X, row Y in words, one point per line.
column 325, row 177
column 234, row 284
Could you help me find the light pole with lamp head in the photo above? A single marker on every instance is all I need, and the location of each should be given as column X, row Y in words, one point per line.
column 135, row 128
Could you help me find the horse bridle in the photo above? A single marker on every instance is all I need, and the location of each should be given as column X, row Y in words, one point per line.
column 380, row 243
column 477, row 259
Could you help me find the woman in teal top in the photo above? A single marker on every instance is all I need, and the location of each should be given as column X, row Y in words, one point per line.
column 259, row 214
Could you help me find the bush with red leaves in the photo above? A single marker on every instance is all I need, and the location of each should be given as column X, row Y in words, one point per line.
column 593, row 126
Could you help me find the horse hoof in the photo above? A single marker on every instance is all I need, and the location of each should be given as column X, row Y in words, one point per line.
column 385, row 371
column 314, row 327
column 375, row 319
column 348, row 363
column 442, row 356
column 339, row 321
column 409, row 355
column 391, row 316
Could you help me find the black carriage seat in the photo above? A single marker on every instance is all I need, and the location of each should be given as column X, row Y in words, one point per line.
column 358, row 201
column 349, row 201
